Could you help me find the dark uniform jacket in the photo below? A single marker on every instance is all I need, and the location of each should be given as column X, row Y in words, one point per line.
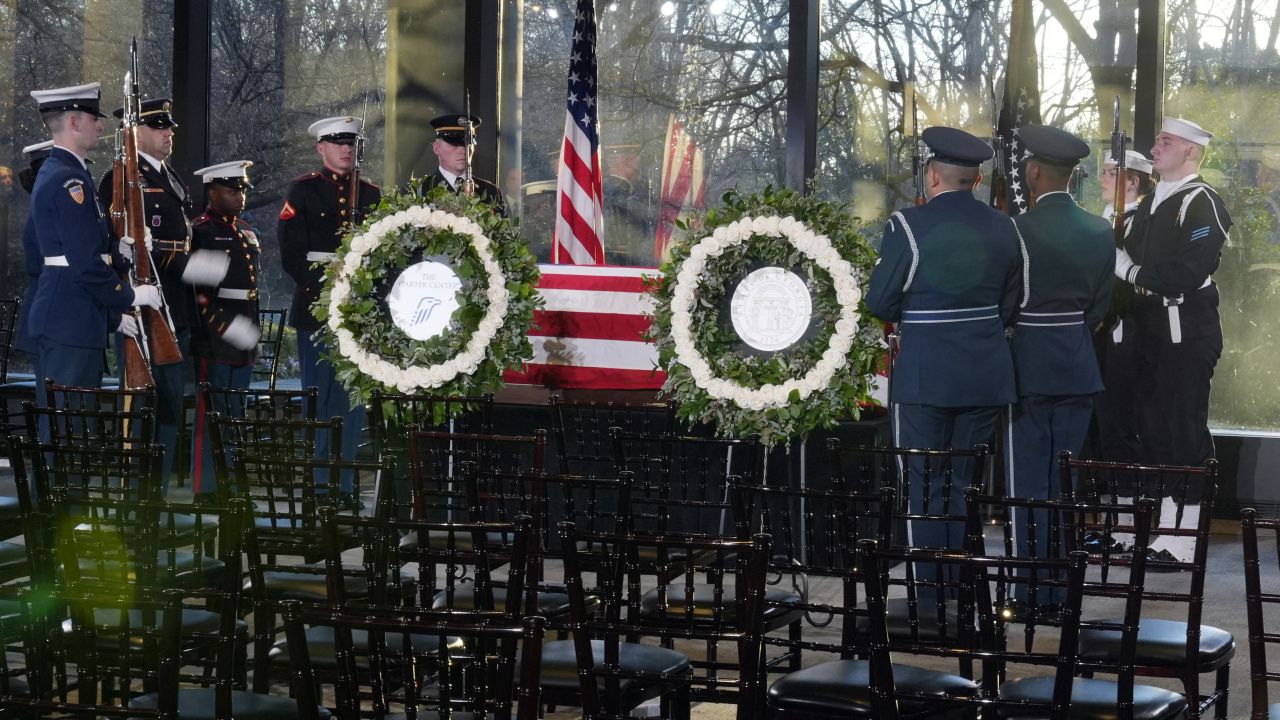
column 33, row 263
column 167, row 211
column 1178, row 247
column 950, row 273
column 486, row 190
column 238, row 292
column 1071, row 266
column 316, row 211
column 79, row 302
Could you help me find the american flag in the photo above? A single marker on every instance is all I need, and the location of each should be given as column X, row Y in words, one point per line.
column 1021, row 104
column 579, row 233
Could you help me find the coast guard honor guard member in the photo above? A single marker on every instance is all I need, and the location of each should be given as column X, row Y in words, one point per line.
column 317, row 211
column 1071, row 256
column 224, row 269
column 167, row 211
column 453, row 153
column 81, row 296
column 950, row 275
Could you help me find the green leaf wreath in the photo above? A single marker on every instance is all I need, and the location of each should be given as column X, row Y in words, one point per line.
column 740, row 392
column 370, row 352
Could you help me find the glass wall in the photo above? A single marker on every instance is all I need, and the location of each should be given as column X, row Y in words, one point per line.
column 712, row 71
column 1222, row 72
column 52, row 43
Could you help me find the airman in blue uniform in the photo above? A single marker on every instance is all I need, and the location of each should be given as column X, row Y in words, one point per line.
column 1071, row 257
column 80, row 296
column 950, row 275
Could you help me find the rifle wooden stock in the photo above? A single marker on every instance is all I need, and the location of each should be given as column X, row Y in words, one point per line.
column 137, row 371
column 1122, row 179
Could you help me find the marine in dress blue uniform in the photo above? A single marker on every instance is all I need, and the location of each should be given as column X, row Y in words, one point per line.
column 33, row 261
column 168, row 209
column 80, row 296
column 224, row 270
column 1173, row 248
column 1071, row 257
column 316, row 212
column 950, row 275
column 452, row 152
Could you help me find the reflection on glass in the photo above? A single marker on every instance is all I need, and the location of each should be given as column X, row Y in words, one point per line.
column 692, row 98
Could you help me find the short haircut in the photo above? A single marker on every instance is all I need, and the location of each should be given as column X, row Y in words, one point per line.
column 56, row 121
column 1055, row 173
column 956, row 176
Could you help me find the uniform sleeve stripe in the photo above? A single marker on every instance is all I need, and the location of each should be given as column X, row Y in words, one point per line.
column 915, row 249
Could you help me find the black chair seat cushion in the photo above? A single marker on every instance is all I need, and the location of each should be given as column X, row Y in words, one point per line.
column 551, row 604
column 13, row 561
column 194, row 620
column 320, row 646
column 439, row 540
column 703, row 601
column 1096, row 699
column 198, row 704
column 842, row 688
column 1160, row 643
column 560, row 669
column 188, row 569
column 312, row 586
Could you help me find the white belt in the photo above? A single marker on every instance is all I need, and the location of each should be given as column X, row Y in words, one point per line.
column 1058, row 319
column 61, row 260
column 321, row 256
column 233, row 294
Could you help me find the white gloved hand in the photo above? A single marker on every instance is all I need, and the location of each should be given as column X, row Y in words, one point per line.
column 206, row 267
column 126, row 248
column 146, row 238
column 128, row 326
column 242, row 333
column 148, row 295
column 1125, row 267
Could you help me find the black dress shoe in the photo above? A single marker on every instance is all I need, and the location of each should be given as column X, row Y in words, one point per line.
column 1163, row 560
column 1095, row 543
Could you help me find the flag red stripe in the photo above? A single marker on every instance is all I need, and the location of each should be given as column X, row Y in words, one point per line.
column 569, row 376
column 589, row 326
column 582, row 229
column 583, row 282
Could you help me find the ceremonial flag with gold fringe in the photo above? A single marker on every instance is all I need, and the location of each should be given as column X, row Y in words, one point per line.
column 683, row 183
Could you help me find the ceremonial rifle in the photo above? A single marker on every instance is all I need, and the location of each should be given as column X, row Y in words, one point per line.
column 469, row 136
column 1118, row 142
column 917, row 151
column 354, row 189
column 156, row 343
column 1000, row 164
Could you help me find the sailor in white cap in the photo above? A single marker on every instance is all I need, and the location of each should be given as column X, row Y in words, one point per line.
column 1170, row 254
column 36, row 154
column 81, row 296
column 1139, row 183
column 224, row 269
column 317, row 210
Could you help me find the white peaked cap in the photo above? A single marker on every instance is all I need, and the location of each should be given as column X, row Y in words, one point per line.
column 1133, row 160
column 336, row 127
column 37, row 147
column 78, row 97
column 226, row 171
column 1186, row 130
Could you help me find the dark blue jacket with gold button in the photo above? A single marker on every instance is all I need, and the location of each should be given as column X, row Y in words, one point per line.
column 238, row 292
column 317, row 209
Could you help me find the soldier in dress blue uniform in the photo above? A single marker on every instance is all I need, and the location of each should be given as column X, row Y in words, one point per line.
column 453, row 152
column 316, row 212
column 1071, row 256
column 950, row 275
column 80, row 297
column 168, row 209
column 224, row 270
column 32, row 259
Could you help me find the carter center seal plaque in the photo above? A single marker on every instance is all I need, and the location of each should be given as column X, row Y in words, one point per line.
column 423, row 299
column 771, row 309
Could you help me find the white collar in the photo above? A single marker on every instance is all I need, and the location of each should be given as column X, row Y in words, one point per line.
column 1054, row 192
column 83, row 164
column 450, row 177
column 155, row 164
column 1165, row 188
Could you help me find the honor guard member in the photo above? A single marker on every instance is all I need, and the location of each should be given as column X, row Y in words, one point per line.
column 1171, row 252
column 317, row 211
column 80, row 297
column 32, row 259
column 1116, row 409
column 224, row 270
column 1070, row 258
column 453, row 152
column 167, row 209
column 950, row 276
